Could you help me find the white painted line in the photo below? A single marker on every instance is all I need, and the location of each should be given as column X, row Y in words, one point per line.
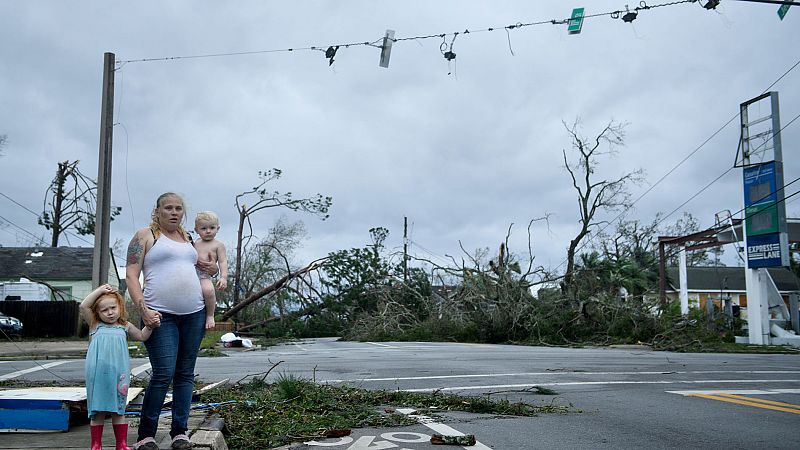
column 299, row 346
column 381, row 345
column 524, row 374
column 594, row 383
column 786, row 391
column 11, row 375
column 356, row 349
column 138, row 370
column 440, row 428
column 737, row 392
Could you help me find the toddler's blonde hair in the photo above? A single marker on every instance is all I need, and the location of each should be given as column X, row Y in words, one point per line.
column 208, row 216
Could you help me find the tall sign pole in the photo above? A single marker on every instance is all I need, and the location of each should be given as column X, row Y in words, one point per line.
column 766, row 233
column 102, row 228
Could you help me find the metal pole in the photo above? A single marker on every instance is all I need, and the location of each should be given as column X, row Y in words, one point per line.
column 405, row 250
column 662, row 275
column 102, row 228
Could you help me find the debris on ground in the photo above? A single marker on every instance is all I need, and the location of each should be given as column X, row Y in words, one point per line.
column 466, row 439
column 336, row 432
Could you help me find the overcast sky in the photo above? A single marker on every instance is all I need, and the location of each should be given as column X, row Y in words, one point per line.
column 463, row 149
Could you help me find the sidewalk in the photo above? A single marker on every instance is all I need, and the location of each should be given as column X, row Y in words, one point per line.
column 43, row 349
column 204, row 431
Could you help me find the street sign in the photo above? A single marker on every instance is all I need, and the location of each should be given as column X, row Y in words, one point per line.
column 765, row 215
column 768, row 250
column 761, row 198
column 783, row 10
column 576, row 21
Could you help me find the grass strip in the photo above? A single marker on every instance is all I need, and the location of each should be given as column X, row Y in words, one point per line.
column 268, row 415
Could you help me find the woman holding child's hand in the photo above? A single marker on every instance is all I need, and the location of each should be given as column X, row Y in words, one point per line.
column 171, row 303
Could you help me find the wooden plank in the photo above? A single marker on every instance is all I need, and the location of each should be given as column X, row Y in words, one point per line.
column 71, row 394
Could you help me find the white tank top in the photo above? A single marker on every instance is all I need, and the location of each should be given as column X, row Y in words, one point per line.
column 170, row 279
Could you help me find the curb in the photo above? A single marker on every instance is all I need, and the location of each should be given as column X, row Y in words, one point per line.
column 209, row 434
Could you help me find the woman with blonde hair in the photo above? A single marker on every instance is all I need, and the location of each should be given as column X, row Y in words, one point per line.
column 171, row 303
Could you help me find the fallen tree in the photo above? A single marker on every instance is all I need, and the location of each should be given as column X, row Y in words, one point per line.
column 274, row 287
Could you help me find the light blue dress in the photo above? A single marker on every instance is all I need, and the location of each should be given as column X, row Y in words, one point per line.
column 107, row 370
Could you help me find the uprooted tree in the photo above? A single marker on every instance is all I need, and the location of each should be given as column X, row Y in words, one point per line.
column 594, row 195
column 69, row 202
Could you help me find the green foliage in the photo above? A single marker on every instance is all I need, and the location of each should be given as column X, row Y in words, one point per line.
column 210, row 339
column 293, row 409
column 354, row 278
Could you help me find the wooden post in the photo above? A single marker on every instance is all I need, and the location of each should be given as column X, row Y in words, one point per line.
column 102, row 228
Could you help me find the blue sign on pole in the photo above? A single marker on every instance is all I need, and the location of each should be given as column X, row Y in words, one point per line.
column 765, row 215
column 765, row 251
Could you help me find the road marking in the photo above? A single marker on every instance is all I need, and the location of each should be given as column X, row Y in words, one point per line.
column 438, row 427
column 594, row 383
column 758, row 403
column 381, row 345
column 138, row 370
column 299, row 346
column 764, row 401
column 523, row 374
column 738, row 391
column 11, row 375
column 357, row 349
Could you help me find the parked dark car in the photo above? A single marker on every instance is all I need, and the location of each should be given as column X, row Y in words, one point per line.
column 11, row 326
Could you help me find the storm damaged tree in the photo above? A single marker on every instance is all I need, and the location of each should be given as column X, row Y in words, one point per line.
column 263, row 264
column 259, row 199
column 69, row 202
column 621, row 263
column 688, row 224
column 594, row 195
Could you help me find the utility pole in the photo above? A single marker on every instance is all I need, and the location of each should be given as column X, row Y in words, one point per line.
column 102, row 229
column 405, row 250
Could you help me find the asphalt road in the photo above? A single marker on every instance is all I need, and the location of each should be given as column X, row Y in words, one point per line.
column 620, row 398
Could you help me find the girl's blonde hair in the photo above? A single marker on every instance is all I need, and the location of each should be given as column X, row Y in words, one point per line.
column 155, row 226
column 123, row 315
column 208, row 216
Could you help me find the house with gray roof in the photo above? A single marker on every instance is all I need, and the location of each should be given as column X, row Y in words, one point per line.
column 720, row 283
column 67, row 271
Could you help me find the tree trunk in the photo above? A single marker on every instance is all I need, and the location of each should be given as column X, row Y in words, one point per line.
column 61, row 176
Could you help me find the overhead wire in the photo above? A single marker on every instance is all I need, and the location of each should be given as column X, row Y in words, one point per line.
column 593, row 235
column 374, row 43
column 66, row 232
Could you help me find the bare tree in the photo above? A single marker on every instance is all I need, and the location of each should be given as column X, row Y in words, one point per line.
column 3, row 140
column 264, row 199
column 594, row 195
column 69, row 202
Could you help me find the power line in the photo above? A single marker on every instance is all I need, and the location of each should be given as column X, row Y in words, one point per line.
column 66, row 232
column 20, row 205
column 331, row 49
column 713, row 135
column 23, row 229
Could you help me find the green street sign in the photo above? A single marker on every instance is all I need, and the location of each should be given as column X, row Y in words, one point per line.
column 576, row 21
column 783, row 10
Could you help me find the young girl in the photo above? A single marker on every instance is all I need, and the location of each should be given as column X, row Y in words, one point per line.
column 206, row 224
column 107, row 365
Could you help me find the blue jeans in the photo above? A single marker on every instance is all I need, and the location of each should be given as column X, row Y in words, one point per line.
column 172, row 349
